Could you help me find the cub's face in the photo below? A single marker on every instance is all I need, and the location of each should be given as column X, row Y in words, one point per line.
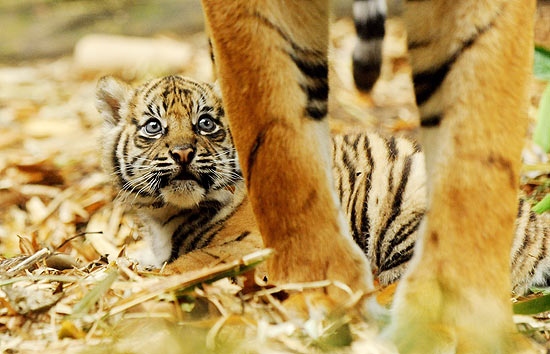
column 167, row 141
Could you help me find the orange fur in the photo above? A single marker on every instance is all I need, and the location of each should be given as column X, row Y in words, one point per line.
column 455, row 297
column 462, row 265
column 283, row 146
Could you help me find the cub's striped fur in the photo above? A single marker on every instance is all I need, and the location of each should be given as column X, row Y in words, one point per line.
column 197, row 209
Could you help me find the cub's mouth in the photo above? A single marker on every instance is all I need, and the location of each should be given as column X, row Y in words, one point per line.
column 185, row 175
column 189, row 179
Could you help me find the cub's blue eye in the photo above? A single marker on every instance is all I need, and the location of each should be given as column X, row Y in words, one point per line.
column 153, row 127
column 206, row 124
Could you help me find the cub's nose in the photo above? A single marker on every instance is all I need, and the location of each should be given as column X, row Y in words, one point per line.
column 183, row 155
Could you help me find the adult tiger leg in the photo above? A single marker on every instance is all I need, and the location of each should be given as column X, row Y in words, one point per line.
column 471, row 87
column 271, row 58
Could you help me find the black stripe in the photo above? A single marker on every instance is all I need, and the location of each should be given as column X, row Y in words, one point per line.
column 428, row 81
column 340, row 185
column 389, row 188
column 416, row 147
column 397, row 259
column 200, row 235
column 526, row 239
column 285, row 36
column 371, row 27
column 116, row 162
column 239, row 238
column 365, row 74
column 143, row 142
column 312, row 68
column 532, row 218
column 418, row 44
column 157, row 204
column 164, row 164
column 351, row 179
column 178, row 233
column 180, row 214
column 204, row 213
column 431, row 121
column 154, row 86
column 542, row 252
column 218, row 136
column 396, row 206
column 365, row 221
column 404, row 232
column 315, row 112
column 211, row 50
column 182, row 232
column 151, row 110
column 318, row 91
column 350, row 169
column 392, row 148
column 254, row 153
column 125, row 156
column 520, row 209
column 129, row 170
column 242, row 236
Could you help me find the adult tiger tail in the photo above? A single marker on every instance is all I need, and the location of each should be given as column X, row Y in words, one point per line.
column 369, row 17
column 470, row 63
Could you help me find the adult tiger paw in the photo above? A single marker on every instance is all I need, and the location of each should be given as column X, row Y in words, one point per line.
column 429, row 319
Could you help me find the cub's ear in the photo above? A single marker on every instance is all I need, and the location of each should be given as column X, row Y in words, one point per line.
column 111, row 93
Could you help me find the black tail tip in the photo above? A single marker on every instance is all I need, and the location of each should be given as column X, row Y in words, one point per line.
column 365, row 75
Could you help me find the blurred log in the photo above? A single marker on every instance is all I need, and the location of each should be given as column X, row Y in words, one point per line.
column 112, row 54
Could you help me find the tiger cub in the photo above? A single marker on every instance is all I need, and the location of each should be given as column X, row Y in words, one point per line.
column 169, row 147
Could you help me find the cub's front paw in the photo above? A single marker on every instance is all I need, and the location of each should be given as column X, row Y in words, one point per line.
column 145, row 259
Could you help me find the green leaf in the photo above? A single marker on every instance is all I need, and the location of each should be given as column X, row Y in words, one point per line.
column 543, row 205
column 541, row 291
column 84, row 305
column 532, row 307
column 542, row 130
column 541, row 67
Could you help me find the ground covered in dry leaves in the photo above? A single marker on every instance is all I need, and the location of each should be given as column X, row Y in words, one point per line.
column 70, row 286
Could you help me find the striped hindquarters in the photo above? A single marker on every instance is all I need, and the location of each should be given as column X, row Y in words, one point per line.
column 530, row 259
column 381, row 185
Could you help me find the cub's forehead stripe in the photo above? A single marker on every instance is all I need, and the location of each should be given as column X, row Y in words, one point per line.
column 158, row 96
column 150, row 89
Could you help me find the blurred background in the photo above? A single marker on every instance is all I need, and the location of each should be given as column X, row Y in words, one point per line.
column 33, row 29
